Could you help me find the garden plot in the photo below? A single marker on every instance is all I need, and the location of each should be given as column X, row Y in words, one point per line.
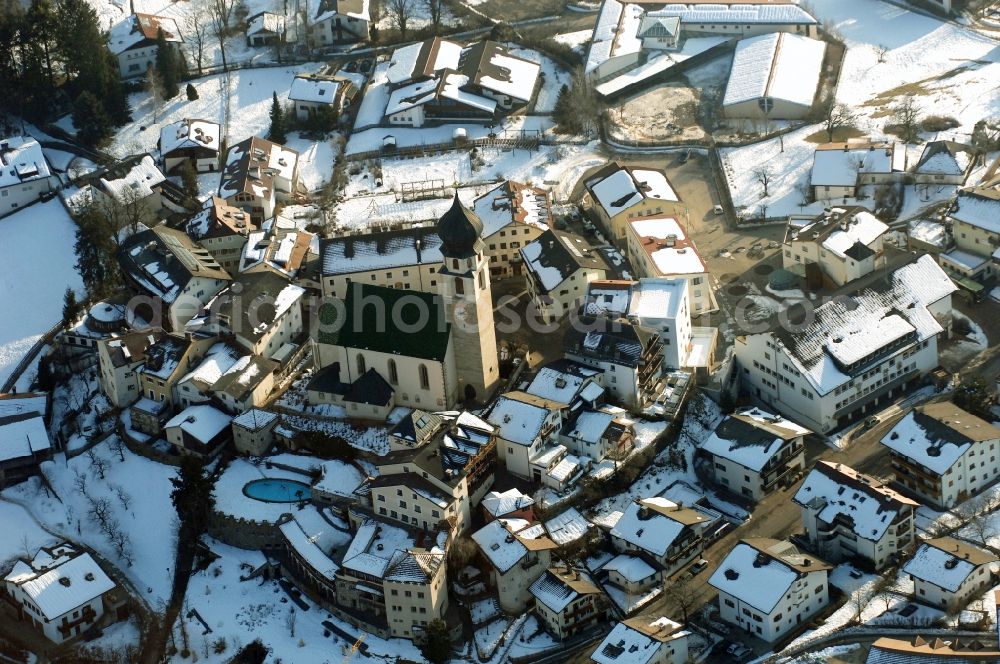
column 40, row 235
column 132, row 495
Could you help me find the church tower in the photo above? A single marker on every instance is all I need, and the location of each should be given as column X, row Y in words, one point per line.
column 464, row 283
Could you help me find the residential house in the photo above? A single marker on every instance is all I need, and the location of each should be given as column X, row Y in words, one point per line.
column 175, row 271
column 257, row 175
column 753, row 453
column 627, row 36
column 514, row 214
column 657, row 247
column 314, row 94
column 194, row 142
column 261, row 311
column 61, row 592
column 557, row 267
column 253, row 431
column 394, row 579
column 133, row 192
column 855, row 517
column 198, row 384
column 509, row 504
column 943, row 162
column 576, row 385
column 857, row 353
column 247, row 385
column 266, row 29
column 516, row 560
column 567, row 602
column 840, row 168
column 526, row 428
column 943, row 455
column 281, row 247
column 631, row 581
column 644, row 640
column 407, row 258
column 223, row 231
column 930, row 650
column 24, row 445
column 670, row 533
column 616, row 194
column 336, row 21
column 774, row 77
column 948, row 573
column 200, row 430
column 837, row 247
column 24, row 173
column 974, row 224
column 435, row 485
column 769, row 588
column 133, row 40
column 438, row 81
column 628, row 354
column 168, row 360
column 599, row 434
column 119, row 358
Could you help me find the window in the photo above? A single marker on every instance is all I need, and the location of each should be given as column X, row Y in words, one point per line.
column 361, row 364
column 730, row 603
column 459, row 287
column 393, row 373
column 425, row 381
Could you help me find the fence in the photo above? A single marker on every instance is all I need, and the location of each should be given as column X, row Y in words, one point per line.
column 29, row 357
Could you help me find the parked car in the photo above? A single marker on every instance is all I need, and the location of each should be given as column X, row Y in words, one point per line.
column 718, row 210
column 699, row 567
column 739, row 652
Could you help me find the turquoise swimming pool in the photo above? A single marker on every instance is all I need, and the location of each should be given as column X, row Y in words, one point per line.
column 272, row 490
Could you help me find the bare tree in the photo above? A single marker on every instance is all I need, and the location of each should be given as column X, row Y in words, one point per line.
column 100, row 510
column 154, row 86
column 124, row 497
column 125, row 213
column 837, row 116
column 80, row 481
column 859, row 601
column 435, row 9
column 881, row 50
column 906, row 116
column 197, row 28
column 98, row 463
column 400, row 13
column 220, row 11
column 684, row 596
column 763, row 175
column 118, row 447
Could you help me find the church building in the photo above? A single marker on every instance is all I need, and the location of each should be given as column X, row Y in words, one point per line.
column 434, row 347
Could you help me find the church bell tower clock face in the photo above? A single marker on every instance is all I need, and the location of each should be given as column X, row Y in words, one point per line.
column 465, row 314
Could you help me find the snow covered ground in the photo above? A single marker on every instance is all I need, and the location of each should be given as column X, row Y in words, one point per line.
column 37, row 236
column 237, row 612
column 315, row 160
column 22, row 534
column 136, row 493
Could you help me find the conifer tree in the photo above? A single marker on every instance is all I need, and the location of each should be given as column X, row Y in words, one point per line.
column 166, row 65
column 93, row 125
column 278, row 130
column 192, row 92
column 189, row 179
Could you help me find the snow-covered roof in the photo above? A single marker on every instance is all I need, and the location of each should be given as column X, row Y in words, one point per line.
column 779, row 66
column 323, row 10
column 964, row 260
column 930, row 232
column 218, row 360
column 631, row 568
column 382, row 250
column 499, row 503
column 377, row 546
column 759, row 572
column 63, row 585
column 251, row 166
column 23, row 403
column 562, row 381
column 202, row 422
column 449, row 86
column 625, row 188
column 136, row 29
column 838, row 164
column 567, row 527
column 507, row 74
column 978, row 207
column 187, row 133
column 305, row 545
column 316, row 89
column 23, row 436
column 652, row 524
column 850, row 328
column 338, row 478
column 140, row 178
column 833, row 490
column 519, row 416
column 937, row 435
column 590, row 426
column 658, row 298
column 555, row 256
column 512, row 202
column 255, row 419
column 265, row 22
column 946, row 562
column 21, row 160
column 505, row 542
column 558, row 587
column 669, row 249
column 752, row 437
column 638, row 641
column 862, row 228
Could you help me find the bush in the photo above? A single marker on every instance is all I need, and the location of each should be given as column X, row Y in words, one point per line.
column 938, row 123
column 961, row 326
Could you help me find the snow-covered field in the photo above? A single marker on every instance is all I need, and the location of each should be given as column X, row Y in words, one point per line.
column 136, row 494
column 237, row 612
column 31, row 301
column 946, row 69
column 23, row 534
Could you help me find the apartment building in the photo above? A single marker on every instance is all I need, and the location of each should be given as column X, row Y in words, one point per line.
column 948, row 573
